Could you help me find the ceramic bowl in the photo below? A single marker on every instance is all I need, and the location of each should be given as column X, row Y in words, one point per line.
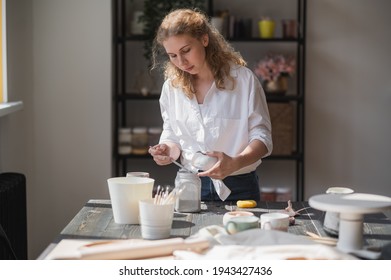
column 202, row 161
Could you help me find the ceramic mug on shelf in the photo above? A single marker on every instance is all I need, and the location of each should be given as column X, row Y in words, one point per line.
column 217, row 22
column 266, row 28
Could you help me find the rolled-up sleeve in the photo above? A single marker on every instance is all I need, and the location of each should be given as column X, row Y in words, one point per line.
column 259, row 119
column 168, row 134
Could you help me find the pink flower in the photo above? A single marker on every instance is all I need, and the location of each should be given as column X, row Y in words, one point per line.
column 273, row 66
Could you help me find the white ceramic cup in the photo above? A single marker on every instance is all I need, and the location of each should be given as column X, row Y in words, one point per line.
column 155, row 219
column 229, row 215
column 275, row 221
column 137, row 174
column 125, row 192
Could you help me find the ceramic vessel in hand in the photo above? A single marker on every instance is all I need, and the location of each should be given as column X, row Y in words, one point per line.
column 201, row 161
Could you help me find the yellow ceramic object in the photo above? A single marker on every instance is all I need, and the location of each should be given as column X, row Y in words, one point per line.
column 246, row 203
column 266, row 28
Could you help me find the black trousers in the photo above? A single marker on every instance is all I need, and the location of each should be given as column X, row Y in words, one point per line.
column 243, row 186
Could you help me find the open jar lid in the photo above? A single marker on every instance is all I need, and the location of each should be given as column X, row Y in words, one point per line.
column 339, row 190
column 139, row 129
column 283, row 190
column 268, row 189
column 125, row 130
column 155, row 130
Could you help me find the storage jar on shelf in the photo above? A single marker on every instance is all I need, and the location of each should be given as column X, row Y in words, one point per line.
column 268, row 194
column 154, row 135
column 283, row 194
column 139, row 140
column 124, row 141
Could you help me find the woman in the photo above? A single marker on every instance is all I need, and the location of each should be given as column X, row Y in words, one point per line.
column 210, row 102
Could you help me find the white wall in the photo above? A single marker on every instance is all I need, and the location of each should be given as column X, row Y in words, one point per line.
column 64, row 144
column 348, row 96
column 17, row 129
column 72, row 89
column 60, row 66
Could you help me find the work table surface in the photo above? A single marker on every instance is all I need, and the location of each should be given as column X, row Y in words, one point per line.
column 95, row 221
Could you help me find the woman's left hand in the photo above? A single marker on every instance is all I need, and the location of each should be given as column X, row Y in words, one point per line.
column 224, row 166
column 227, row 165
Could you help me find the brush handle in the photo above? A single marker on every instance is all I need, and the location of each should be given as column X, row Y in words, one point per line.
column 181, row 166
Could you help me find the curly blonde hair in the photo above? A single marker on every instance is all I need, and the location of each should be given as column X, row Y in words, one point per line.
column 219, row 53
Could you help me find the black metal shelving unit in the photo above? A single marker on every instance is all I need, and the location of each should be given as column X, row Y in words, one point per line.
column 121, row 97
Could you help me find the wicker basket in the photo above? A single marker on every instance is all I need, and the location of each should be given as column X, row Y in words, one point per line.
column 282, row 119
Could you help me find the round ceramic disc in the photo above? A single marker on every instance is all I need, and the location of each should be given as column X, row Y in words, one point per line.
column 356, row 203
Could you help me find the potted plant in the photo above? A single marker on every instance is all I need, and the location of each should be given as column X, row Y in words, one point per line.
column 273, row 70
column 154, row 12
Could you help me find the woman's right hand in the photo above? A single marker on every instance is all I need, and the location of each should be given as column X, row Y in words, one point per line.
column 160, row 154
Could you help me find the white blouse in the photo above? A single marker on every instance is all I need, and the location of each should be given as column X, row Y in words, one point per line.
column 229, row 121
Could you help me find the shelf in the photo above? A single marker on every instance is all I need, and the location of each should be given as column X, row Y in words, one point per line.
column 131, row 156
column 137, row 96
column 123, row 39
column 270, row 97
column 125, row 45
column 272, row 40
column 295, row 156
column 10, row 107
